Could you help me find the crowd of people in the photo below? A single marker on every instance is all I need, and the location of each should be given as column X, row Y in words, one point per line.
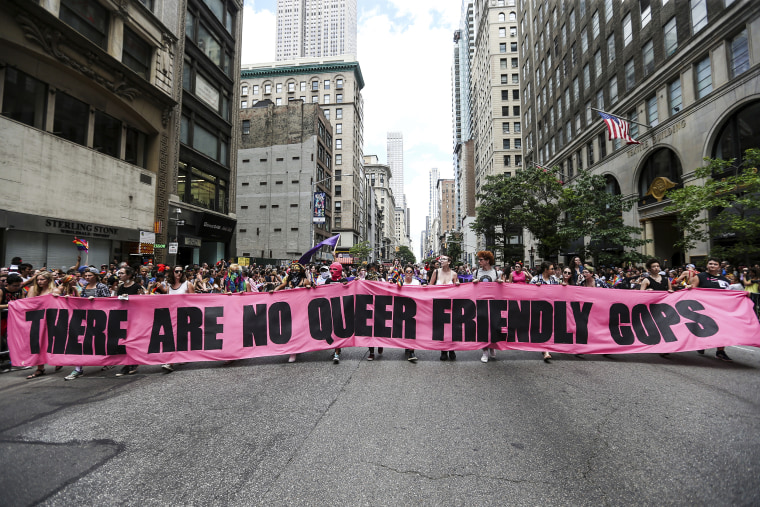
column 119, row 279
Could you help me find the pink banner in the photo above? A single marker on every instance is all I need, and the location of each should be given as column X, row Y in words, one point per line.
column 213, row 327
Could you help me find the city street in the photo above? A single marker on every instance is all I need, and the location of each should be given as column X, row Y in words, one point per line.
column 590, row 430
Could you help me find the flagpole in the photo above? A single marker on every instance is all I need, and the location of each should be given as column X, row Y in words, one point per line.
column 620, row 117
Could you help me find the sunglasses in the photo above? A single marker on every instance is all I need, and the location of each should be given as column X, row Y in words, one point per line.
column 568, row 272
column 178, row 271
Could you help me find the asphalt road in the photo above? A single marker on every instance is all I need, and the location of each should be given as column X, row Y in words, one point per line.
column 591, row 430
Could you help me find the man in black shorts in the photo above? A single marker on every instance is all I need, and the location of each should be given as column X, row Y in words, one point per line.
column 712, row 279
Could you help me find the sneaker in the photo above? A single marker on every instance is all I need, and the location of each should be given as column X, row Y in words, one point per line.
column 721, row 354
column 292, row 358
column 444, row 355
column 452, row 355
column 336, row 358
column 380, row 351
column 492, row 353
column 412, row 358
column 74, row 374
column 484, row 359
column 124, row 371
column 371, row 357
column 167, row 368
column 701, row 351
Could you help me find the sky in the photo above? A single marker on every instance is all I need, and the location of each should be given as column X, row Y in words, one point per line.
column 405, row 50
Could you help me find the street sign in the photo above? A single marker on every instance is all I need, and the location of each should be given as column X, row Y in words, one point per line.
column 180, row 222
column 172, row 248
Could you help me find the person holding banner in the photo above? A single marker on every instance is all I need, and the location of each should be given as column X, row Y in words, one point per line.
column 336, row 276
column 409, row 279
column 712, row 279
column 93, row 289
column 177, row 283
column 296, row 278
column 518, row 275
column 128, row 287
column 44, row 284
column 545, row 277
column 445, row 276
column 589, row 280
column 486, row 272
column 655, row 280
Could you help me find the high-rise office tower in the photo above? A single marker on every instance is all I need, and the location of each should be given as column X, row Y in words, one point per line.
column 315, row 28
column 396, row 162
column 683, row 73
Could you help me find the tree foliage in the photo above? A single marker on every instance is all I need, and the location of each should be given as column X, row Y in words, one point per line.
column 596, row 216
column 724, row 209
column 405, row 255
column 360, row 251
column 557, row 215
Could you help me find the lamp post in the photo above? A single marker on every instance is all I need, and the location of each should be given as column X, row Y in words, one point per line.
column 532, row 253
column 177, row 223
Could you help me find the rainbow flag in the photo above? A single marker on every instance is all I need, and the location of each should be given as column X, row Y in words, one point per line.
column 81, row 244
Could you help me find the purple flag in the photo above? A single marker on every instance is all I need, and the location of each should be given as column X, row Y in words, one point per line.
column 305, row 258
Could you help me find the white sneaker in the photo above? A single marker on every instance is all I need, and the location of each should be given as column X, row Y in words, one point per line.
column 292, row 358
column 484, row 359
column 492, row 352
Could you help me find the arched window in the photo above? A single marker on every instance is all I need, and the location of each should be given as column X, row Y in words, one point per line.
column 612, row 186
column 662, row 163
column 512, row 16
column 740, row 132
column 502, row 17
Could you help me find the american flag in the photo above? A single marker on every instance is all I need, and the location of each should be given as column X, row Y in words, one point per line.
column 617, row 128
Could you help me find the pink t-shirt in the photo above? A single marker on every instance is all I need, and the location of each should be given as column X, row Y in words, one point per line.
column 518, row 277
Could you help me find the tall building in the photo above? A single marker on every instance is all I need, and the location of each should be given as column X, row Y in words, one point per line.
column 495, row 94
column 335, row 84
column 464, row 47
column 395, row 152
column 285, row 156
column 315, row 28
column 447, row 206
column 92, row 100
column 380, row 176
column 433, row 204
column 686, row 70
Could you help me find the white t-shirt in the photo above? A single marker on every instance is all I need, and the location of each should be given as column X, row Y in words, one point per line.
column 482, row 275
column 413, row 282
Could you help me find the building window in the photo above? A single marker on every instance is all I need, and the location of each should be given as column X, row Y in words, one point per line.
column 505, row 127
column 602, row 146
column 518, row 143
column 87, row 17
column 518, row 160
column 502, row 32
column 633, row 128
column 504, row 79
column 516, row 110
column 337, row 209
column 279, row 87
column 209, row 45
column 303, row 86
column 598, row 63
column 339, row 84
column 315, row 99
column 590, row 153
column 704, row 78
column 595, row 25
column 613, row 90
column 24, row 98
column 586, row 77
column 136, row 53
column 513, row 47
column 698, row 15
column 505, row 110
column 338, row 98
column 339, row 113
column 652, row 117
column 255, row 89
column 627, row 30
column 584, row 41
column 739, row 54
column 338, row 159
column 630, row 75
column 71, row 118
column 327, row 99
column 246, row 127
column 646, row 12
column 502, row 47
column 338, row 190
column 674, row 96
column 267, row 89
column 576, row 89
column 339, row 144
column 600, row 99
column 517, row 127
column 244, row 90
column 670, row 36
column 648, row 57
column 134, row 149
column 611, row 48
column 326, row 113
column 505, row 144
column 278, row 101
column 106, row 134
column 243, row 104
column 507, row 159
column 503, row 63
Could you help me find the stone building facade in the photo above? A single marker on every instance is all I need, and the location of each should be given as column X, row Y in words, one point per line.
column 687, row 70
column 335, row 84
column 379, row 179
column 285, row 156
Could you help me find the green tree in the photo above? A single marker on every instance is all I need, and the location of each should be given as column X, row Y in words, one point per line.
column 496, row 215
column 596, row 216
column 725, row 207
column 454, row 251
column 542, row 207
column 405, row 255
column 360, row 252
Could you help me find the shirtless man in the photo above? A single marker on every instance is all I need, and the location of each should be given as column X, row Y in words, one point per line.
column 445, row 276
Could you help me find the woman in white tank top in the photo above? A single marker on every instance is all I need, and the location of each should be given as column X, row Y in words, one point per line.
column 177, row 284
